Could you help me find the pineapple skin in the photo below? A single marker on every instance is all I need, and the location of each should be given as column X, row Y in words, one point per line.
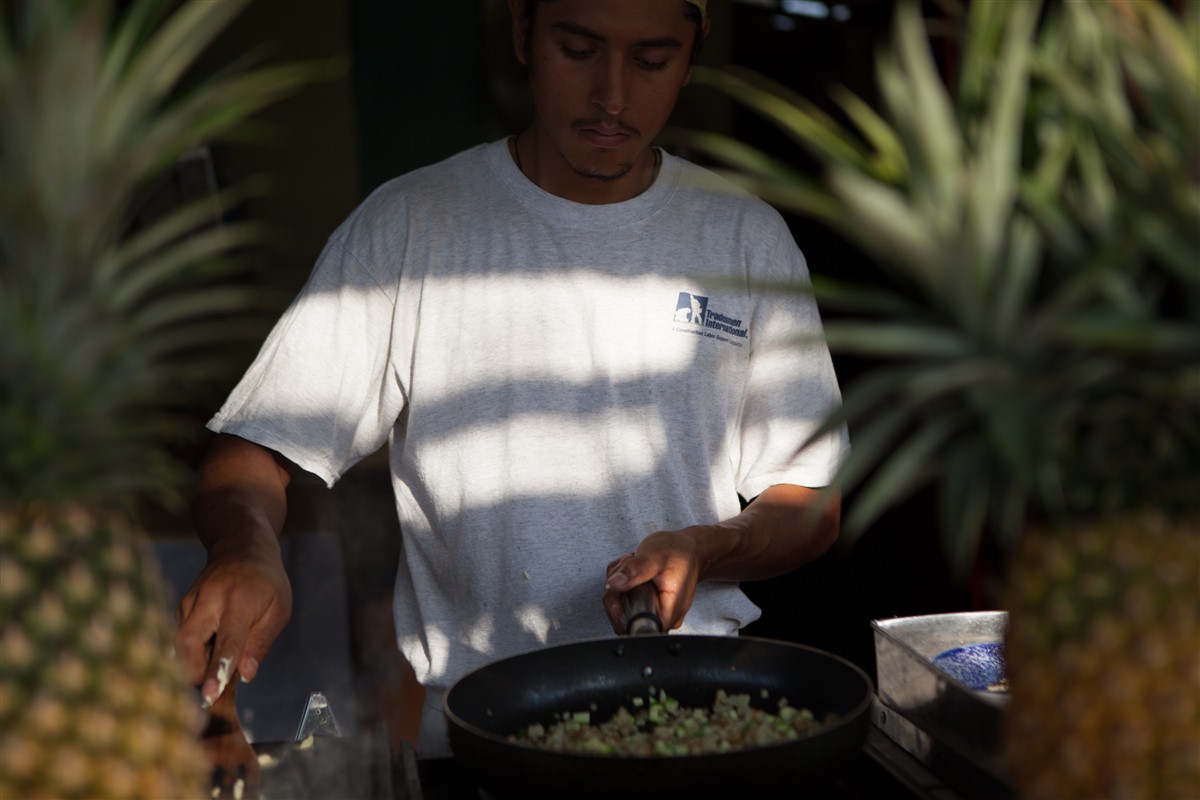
column 1103, row 654
column 92, row 704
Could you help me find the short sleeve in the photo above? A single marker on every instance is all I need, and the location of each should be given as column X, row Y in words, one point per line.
column 791, row 387
column 323, row 391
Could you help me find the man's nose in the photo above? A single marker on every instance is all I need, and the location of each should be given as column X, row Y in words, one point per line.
column 611, row 92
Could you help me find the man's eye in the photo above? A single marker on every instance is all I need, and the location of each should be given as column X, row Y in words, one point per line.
column 578, row 55
column 654, row 66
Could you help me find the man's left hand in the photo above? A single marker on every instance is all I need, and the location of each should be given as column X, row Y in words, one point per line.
column 668, row 559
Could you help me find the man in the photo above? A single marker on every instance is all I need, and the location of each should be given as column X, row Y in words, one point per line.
column 506, row 321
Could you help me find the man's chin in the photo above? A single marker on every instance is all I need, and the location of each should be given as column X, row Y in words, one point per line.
column 611, row 172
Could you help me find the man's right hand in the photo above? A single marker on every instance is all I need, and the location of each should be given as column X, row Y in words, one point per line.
column 230, row 617
column 242, row 600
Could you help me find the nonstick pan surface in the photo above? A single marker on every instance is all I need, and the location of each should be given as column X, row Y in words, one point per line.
column 494, row 701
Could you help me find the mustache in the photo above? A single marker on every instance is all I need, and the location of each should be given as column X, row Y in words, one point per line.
column 596, row 122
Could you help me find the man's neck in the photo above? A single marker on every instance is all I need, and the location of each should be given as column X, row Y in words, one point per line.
column 550, row 171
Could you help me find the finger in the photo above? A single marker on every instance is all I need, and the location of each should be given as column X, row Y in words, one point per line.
column 192, row 644
column 226, row 656
column 673, row 608
column 184, row 609
column 258, row 643
column 613, row 609
column 248, row 667
column 616, row 567
column 220, row 671
column 628, row 571
column 214, row 685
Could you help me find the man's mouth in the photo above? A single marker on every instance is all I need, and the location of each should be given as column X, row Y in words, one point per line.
column 605, row 136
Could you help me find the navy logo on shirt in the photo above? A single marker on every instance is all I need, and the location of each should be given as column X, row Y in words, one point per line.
column 693, row 310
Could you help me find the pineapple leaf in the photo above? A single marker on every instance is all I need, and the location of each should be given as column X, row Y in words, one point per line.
column 150, row 275
column 892, row 223
column 902, row 472
column 900, row 339
column 109, row 334
column 789, row 194
column 874, row 439
column 1015, row 288
column 153, row 70
column 173, row 309
column 170, row 228
column 928, row 117
column 136, row 26
column 889, row 161
column 863, row 298
column 992, row 195
column 963, row 499
column 795, row 116
column 1036, row 331
column 733, row 153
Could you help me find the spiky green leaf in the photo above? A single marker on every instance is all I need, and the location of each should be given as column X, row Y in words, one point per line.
column 107, row 332
column 1035, row 324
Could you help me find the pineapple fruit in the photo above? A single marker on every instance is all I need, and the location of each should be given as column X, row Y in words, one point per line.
column 91, row 705
column 1034, row 337
column 111, row 322
column 1104, row 640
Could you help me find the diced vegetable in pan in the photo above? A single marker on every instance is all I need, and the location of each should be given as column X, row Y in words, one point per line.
column 660, row 726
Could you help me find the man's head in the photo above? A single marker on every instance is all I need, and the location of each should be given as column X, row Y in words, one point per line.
column 605, row 75
column 696, row 10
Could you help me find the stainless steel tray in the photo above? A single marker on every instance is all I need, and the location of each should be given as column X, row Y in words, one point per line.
column 947, row 712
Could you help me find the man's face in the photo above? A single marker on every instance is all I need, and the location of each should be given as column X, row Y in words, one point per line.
column 605, row 75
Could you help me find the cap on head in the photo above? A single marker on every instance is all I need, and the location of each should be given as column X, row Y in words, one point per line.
column 700, row 4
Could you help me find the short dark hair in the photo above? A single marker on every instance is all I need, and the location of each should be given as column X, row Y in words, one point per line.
column 689, row 9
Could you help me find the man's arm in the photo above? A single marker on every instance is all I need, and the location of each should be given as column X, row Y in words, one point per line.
column 242, row 599
column 783, row 528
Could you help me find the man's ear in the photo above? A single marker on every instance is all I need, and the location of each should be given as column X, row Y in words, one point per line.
column 517, row 9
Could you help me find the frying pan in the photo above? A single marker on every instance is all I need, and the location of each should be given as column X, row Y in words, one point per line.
column 486, row 705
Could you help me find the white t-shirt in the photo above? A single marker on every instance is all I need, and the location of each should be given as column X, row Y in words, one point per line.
column 555, row 381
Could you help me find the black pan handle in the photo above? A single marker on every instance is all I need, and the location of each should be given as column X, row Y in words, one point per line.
column 641, row 610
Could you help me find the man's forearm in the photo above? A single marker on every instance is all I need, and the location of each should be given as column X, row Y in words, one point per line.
column 783, row 528
column 241, row 498
column 242, row 599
